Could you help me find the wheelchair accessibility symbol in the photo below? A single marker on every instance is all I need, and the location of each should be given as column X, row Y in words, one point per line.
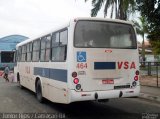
column 81, row 56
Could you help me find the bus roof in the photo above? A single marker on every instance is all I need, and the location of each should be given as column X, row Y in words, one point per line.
column 43, row 34
column 68, row 23
column 103, row 19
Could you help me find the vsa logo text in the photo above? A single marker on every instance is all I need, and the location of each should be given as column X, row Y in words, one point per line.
column 126, row 65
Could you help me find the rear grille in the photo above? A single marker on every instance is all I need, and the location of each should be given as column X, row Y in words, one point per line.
column 122, row 86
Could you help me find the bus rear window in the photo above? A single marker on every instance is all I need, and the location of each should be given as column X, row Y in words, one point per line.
column 96, row 34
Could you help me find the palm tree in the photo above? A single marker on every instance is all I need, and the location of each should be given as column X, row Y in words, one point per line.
column 121, row 8
column 142, row 29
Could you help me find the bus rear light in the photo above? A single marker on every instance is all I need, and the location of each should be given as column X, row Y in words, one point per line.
column 76, row 80
column 137, row 72
column 136, row 78
column 74, row 74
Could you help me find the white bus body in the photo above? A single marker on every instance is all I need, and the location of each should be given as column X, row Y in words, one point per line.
column 88, row 59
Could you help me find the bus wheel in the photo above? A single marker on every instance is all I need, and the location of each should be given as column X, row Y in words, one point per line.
column 19, row 81
column 39, row 91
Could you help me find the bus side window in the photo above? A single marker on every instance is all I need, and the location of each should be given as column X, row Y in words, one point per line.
column 45, row 48
column 63, row 44
column 59, row 53
column 55, row 44
column 36, row 48
column 42, row 49
column 48, row 45
column 59, row 49
column 63, row 37
column 29, row 52
column 55, row 39
column 65, row 52
column 19, row 54
column 24, row 53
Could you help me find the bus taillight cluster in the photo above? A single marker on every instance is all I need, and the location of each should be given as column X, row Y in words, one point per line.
column 76, row 80
column 136, row 78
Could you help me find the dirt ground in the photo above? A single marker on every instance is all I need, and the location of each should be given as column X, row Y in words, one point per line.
column 149, row 80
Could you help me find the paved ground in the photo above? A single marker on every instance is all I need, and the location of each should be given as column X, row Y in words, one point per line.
column 15, row 100
column 150, row 93
column 149, row 89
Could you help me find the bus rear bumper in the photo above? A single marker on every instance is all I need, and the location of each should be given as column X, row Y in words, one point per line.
column 100, row 95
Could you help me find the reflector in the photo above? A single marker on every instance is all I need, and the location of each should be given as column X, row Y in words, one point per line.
column 134, row 83
column 78, row 86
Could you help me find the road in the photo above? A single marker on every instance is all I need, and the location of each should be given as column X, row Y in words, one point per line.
column 15, row 100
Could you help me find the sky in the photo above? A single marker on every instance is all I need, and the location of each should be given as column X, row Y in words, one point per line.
column 33, row 17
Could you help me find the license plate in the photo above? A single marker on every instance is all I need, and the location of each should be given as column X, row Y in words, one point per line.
column 108, row 81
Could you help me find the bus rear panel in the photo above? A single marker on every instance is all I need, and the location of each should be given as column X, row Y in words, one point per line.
column 105, row 61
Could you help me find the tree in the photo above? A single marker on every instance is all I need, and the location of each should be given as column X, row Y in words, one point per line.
column 150, row 9
column 142, row 29
column 121, row 8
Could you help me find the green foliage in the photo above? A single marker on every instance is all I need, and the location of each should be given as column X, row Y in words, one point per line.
column 121, row 8
column 150, row 9
column 97, row 4
column 156, row 47
column 142, row 29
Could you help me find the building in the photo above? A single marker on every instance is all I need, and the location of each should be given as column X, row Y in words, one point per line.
column 9, row 43
column 7, row 50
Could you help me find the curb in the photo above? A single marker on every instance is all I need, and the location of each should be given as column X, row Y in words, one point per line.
column 149, row 97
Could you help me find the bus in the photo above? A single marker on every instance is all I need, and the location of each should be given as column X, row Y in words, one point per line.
column 7, row 59
column 86, row 59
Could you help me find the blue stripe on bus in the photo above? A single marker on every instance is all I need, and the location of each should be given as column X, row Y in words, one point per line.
column 56, row 74
column 104, row 65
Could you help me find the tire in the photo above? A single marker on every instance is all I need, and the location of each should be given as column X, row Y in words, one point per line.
column 18, row 77
column 39, row 92
column 19, row 81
